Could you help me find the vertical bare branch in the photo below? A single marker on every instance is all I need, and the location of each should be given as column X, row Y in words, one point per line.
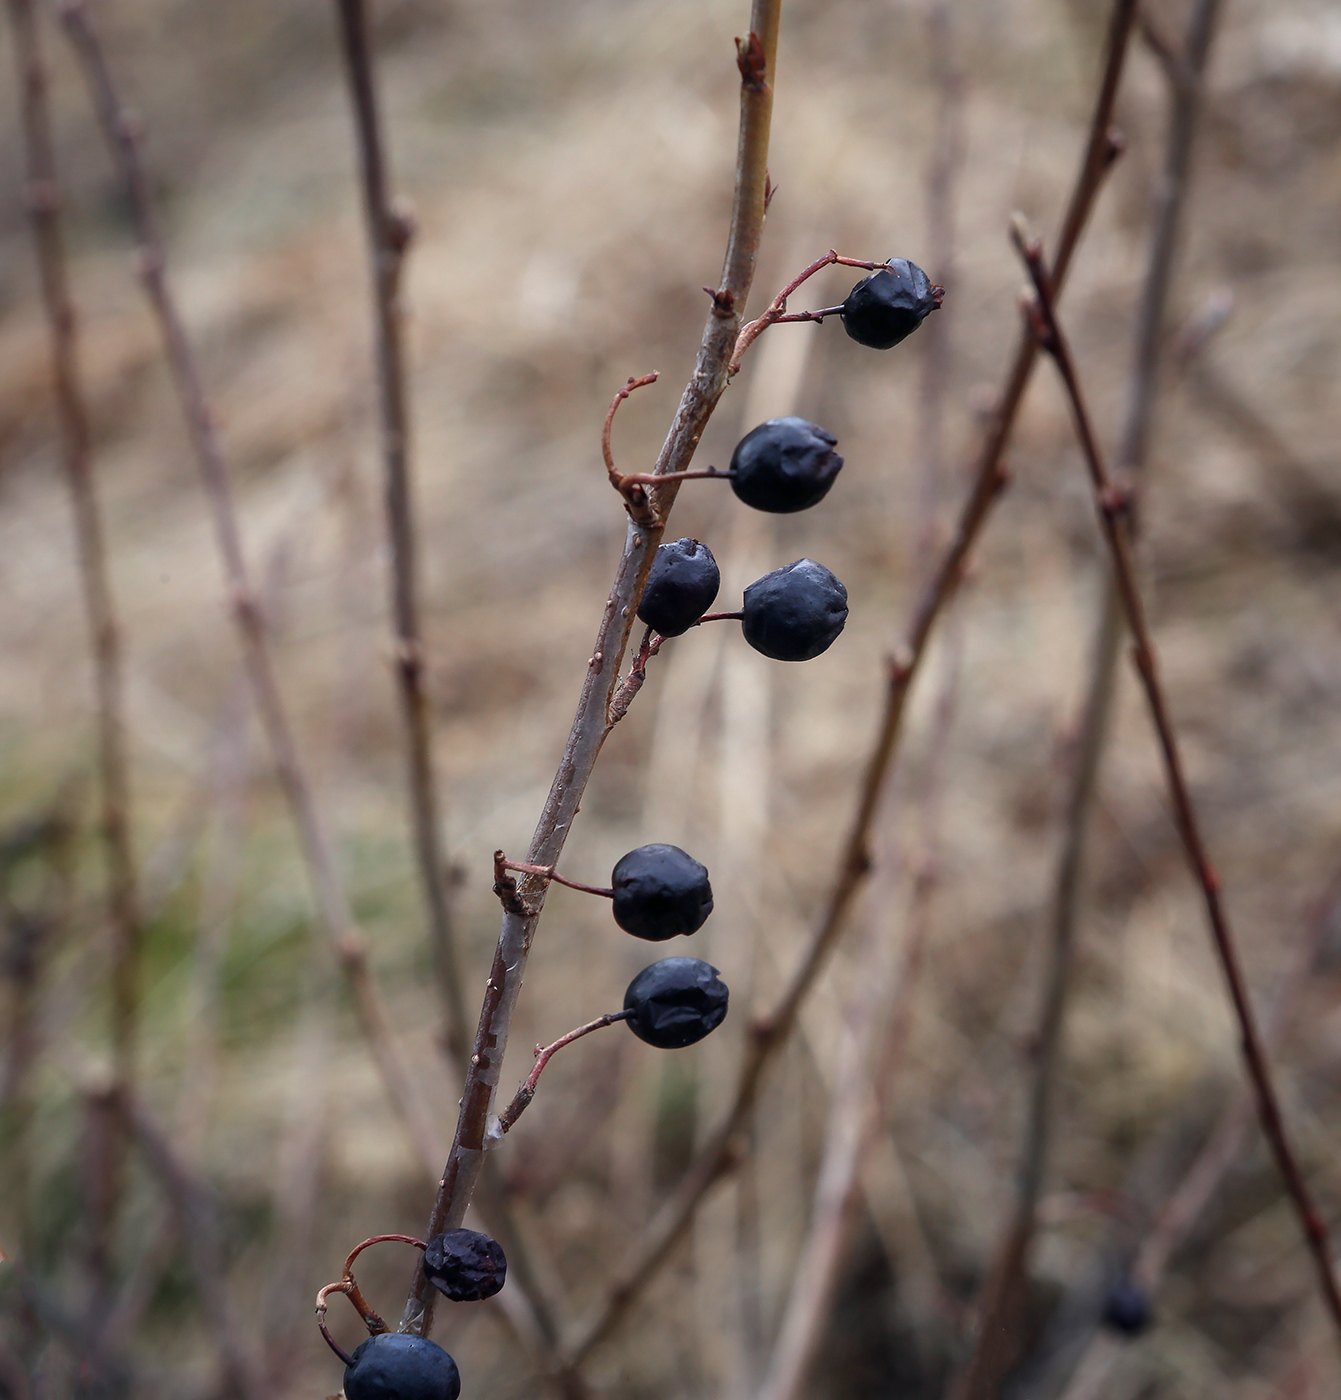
column 1115, row 504
column 123, row 137
column 43, row 201
column 593, row 720
column 389, row 233
column 718, row 1154
column 1001, row 1313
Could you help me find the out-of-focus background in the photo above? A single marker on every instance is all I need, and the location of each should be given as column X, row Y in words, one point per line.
column 570, row 170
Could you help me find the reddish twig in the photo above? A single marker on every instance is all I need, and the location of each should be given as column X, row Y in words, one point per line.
column 43, row 198
column 543, row 1054
column 593, row 721
column 652, row 479
column 1114, row 506
column 548, row 872
column 635, row 496
column 389, row 233
column 123, row 137
column 777, row 308
column 349, row 1287
column 717, row 1155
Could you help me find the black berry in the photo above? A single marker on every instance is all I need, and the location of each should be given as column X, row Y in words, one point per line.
column 397, row 1366
column 681, row 586
column 676, row 1002
column 660, row 891
column 465, row 1265
column 889, row 305
column 1127, row 1308
column 795, row 612
column 784, row 465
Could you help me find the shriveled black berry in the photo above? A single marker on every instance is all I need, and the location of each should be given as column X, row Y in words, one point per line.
column 397, row 1366
column 660, row 891
column 676, row 1002
column 795, row 612
column 465, row 1265
column 681, row 586
column 889, row 305
column 784, row 465
column 1127, row 1308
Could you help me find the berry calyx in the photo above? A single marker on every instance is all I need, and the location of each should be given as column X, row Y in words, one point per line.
column 794, row 613
column 889, row 305
column 681, row 587
column 1127, row 1308
column 660, row 891
column 398, row 1366
column 784, row 465
column 465, row 1265
column 675, row 1002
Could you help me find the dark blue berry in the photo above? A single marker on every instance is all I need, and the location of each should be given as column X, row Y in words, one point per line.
column 681, row 586
column 397, row 1366
column 1127, row 1308
column 660, row 891
column 676, row 1002
column 795, row 612
column 465, row 1265
column 889, row 305
column 784, row 465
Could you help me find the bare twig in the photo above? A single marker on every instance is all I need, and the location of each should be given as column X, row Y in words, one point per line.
column 593, row 722
column 198, row 1229
column 44, row 200
column 718, row 1153
column 777, row 309
column 1114, row 508
column 543, row 1054
column 123, row 136
column 1002, row 1308
column 1184, row 1205
column 389, row 233
column 548, row 872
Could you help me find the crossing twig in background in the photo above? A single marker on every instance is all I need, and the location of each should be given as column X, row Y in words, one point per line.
column 1115, row 504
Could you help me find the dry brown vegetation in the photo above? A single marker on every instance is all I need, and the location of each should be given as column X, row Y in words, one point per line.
column 570, row 169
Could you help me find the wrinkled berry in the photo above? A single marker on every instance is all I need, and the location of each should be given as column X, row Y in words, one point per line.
column 889, row 305
column 681, row 586
column 1127, row 1308
column 660, row 891
column 676, row 1002
column 784, row 465
column 397, row 1366
column 465, row 1265
column 795, row 612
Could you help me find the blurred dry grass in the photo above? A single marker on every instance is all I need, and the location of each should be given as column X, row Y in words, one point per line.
column 570, row 167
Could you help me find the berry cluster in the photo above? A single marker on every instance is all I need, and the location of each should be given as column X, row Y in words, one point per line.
column 658, row 891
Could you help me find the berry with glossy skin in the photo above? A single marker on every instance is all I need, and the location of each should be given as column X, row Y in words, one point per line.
column 889, row 305
column 784, row 465
column 465, row 1265
column 660, row 891
column 397, row 1366
column 675, row 1002
column 795, row 612
column 1127, row 1308
column 681, row 586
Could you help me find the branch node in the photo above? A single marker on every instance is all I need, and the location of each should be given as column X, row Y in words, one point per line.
column 752, row 64
column 505, row 887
